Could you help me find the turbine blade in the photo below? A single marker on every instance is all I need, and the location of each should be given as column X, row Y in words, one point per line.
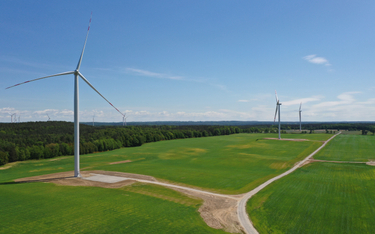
column 300, row 105
column 84, row 45
column 274, row 119
column 277, row 98
column 98, row 92
column 44, row 77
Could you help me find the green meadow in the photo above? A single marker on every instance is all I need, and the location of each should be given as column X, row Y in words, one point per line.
column 356, row 148
column 49, row 208
column 318, row 198
column 229, row 164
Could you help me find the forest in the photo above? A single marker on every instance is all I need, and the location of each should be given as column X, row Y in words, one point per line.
column 38, row 140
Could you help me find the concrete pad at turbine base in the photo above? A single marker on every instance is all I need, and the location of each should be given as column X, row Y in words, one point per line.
column 105, row 178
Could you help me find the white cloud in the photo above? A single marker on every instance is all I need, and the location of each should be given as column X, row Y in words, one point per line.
column 172, row 77
column 153, row 74
column 243, row 101
column 302, row 100
column 317, row 60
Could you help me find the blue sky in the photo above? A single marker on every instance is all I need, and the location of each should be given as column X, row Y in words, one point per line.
column 190, row 60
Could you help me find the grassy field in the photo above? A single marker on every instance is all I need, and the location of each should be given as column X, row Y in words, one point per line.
column 356, row 148
column 227, row 164
column 48, row 208
column 318, row 198
column 231, row 164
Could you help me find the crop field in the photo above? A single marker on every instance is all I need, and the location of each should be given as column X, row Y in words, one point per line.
column 356, row 148
column 227, row 164
column 48, row 208
column 233, row 164
column 317, row 198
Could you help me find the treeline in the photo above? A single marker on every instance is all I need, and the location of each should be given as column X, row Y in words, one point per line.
column 37, row 140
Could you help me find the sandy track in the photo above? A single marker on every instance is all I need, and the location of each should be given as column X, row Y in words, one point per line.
column 241, row 208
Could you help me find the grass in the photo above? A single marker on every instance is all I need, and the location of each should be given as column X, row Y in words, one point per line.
column 356, row 148
column 227, row 164
column 230, row 164
column 48, row 208
column 318, row 198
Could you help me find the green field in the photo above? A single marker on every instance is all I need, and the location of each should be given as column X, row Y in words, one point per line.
column 231, row 164
column 318, row 198
column 227, row 164
column 356, row 148
column 48, row 208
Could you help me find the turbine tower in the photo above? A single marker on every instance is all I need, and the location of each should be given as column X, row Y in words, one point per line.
column 300, row 111
column 93, row 120
column 124, row 120
column 76, row 74
column 278, row 104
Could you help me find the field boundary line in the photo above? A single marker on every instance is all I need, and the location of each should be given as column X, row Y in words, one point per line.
column 243, row 217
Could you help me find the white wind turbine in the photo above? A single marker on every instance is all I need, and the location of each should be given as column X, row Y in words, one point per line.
column 124, row 119
column 278, row 104
column 48, row 118
column 300, row 111
column 11, row 117
column 76, row 74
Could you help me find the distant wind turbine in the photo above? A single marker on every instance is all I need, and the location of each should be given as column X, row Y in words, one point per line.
column 278, row 104
column 48, row 118
column 300, row 111
column 11, row 117
column 124, row 119
column 76, row 74
column 93, row 120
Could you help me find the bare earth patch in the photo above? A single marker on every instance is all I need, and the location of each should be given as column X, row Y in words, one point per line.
column 126, row 161
column 218, row 212
column 285, row 139
column 8, row 165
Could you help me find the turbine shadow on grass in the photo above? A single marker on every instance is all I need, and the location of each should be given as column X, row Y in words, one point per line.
column 36, row 180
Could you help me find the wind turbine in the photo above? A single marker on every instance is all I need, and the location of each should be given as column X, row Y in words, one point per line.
column 124, row 119
column 278, row 104
column 76, row 74
column 93, row 120
column 48, row 118
column 300, row 111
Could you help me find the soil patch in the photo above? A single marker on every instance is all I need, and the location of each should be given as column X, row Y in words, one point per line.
column 217, row 212
column 126, row 161
column 285, row 139
column 67, row 178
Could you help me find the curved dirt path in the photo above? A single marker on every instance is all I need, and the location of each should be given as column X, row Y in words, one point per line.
column 241, row 209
